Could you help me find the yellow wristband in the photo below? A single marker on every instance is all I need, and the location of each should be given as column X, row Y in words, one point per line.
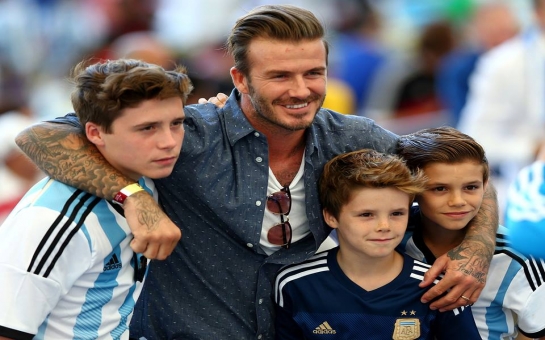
column 130, row 189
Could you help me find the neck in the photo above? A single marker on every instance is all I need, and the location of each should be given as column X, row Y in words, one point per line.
column 370, row 273
column 440, row 240
column 286, row 147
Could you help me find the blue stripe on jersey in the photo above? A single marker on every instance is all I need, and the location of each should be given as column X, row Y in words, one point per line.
column 76, row 208
column 125, row 310
column 99, row 296
column 82, row 216
column 89, row 320
column 495, row 317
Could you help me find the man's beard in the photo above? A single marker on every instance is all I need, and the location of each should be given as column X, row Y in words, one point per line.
column 265, row 112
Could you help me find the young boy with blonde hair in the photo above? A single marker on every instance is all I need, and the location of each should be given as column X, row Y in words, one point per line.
column 457, row 171
column 364, row 288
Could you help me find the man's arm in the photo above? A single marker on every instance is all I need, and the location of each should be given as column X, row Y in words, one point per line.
column 65, row 154
column 466, row 266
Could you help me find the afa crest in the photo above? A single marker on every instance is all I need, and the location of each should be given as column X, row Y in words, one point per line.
column 406, row 329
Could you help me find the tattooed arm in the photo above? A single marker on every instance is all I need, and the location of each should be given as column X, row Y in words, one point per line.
column 466, row 266
column 65, row 154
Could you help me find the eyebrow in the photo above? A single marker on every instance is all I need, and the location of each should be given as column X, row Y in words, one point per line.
column 321, row 68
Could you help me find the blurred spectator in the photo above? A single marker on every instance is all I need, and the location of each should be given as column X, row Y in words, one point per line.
column 142, row 45
column 340, row 97
column 417, row 94
column 491, row 24
column 356, row 51
column 17, row 172
column 525, row 212
column 505, row 110
column 403, row 97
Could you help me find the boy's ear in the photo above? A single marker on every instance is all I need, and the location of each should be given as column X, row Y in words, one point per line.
column 239, row 80
column 94, row 133
column 330, row 219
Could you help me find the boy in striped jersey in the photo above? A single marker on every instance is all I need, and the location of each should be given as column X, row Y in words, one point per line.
column 66, row 266
column 364, row 288
column 457, row 171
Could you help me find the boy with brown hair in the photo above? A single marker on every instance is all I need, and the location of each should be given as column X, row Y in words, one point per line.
column 457, row 171
column 66, row 266
column 364, row 288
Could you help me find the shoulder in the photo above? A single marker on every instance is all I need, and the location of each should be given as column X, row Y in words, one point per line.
column 354, row 131
column 313, row 265
column 416, row 268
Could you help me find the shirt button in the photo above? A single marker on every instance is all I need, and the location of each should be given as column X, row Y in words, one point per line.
column 259, row 159
column 260, row 301
column 249, row 245
column 256, row 134
column 258, row 203
column 259, row 336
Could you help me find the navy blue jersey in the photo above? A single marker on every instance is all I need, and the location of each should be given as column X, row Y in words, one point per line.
column 315, row 298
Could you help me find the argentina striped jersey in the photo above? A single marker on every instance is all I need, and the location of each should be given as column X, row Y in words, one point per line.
column 66, row 267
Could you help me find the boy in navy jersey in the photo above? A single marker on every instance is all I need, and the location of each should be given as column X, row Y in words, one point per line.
column 364, row 289
column 67, row 270
column 457, row 171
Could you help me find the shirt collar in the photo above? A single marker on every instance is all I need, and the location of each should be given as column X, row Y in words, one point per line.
column 237, row 125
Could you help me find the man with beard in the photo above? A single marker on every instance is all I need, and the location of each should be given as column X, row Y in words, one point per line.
column 244, row 190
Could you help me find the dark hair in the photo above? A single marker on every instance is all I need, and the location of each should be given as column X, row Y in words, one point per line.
column 277, row 22
column 104, row 89
column 369, row 169
column 441, row 145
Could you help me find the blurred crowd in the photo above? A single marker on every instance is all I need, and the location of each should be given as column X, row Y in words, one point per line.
column 408, row 64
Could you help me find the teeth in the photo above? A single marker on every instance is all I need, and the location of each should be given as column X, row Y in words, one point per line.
column 296, row 106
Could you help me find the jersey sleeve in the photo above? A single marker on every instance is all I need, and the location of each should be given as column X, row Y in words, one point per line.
column 531, row 320
column 285, row 326
column 455, row 325
column 37, row 267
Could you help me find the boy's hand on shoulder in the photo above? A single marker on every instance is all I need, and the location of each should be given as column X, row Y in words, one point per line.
column 463, row 282
column 155, row 235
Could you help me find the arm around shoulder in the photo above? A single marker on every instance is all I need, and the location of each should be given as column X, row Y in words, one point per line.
column 64, row 153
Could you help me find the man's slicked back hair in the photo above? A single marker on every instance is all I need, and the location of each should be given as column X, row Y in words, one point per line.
column 277, row 22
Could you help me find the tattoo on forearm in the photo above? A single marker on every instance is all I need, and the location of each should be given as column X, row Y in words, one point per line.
column 65, row 154
column 473, row 257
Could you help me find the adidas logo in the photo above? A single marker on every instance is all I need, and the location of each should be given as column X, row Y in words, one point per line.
column 112, row 264
column 324, row 328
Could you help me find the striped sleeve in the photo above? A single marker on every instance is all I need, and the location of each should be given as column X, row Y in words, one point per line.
column 42, row 252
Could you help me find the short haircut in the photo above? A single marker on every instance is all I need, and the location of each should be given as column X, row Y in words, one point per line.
column 365, row 168
column 104, row 89
column 276, row 22
column 441, row 145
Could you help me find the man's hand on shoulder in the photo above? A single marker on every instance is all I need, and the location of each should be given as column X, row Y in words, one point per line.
column 155, row 235
column 465, row 269
column 219, row 100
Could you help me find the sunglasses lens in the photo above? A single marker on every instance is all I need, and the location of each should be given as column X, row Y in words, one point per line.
column 279, row 202
column 280, row 234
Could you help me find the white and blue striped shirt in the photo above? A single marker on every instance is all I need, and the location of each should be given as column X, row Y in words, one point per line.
column 66, row 266
column 514, row 294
